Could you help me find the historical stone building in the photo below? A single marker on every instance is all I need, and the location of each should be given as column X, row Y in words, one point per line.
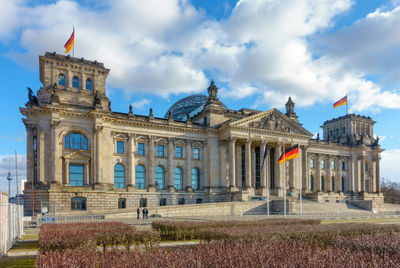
column 83, row 156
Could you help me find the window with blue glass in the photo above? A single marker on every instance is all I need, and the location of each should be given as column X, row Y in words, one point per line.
column 160, row 150
column 120, row 147
column 61, row 79
column 119, row 176
column 311, row 182
column 342, row 184
column 322, row 184
column 140, row 149
column 333, row 184
column 178, row 151
column 140, row 177
column 322, row 163
column 75, row 141
column 178, row 179
column 76, row 175
column 195, row 179
column 196, row 153
column 89, row 84
column 160, row 177
column 75, row 82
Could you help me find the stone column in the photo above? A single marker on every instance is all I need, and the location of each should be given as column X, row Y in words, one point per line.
column 99, row 153
column 66, row 172
column 55, row 151
column 83, row 84
column 41, row 155
column 131, row 161
column 86, row 179
column 317, row 180
column 232, row 163
column 248, row 163
column 189, row 166
column 278, row 170
column 351, row 177
column 329, row 182
column 377, row 175
column 170, row 172
column 30, row 154
column 362, row 171
column 291, row 178
column 263, row 171
column 306, row 171
column 151, row 179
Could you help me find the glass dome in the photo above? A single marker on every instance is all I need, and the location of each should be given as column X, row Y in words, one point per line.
column 190, row 104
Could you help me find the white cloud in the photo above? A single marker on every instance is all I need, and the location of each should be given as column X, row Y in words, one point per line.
column 140, row 104
column 390, row 165
column 164, row 47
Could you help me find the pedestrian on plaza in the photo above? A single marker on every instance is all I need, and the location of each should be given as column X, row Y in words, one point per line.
column 138, row 213
column 144, row 213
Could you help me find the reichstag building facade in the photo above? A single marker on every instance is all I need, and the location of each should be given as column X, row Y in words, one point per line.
column 81, row 155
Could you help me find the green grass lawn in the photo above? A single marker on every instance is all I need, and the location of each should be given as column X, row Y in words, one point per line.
column 17, row 262
column 25, row 246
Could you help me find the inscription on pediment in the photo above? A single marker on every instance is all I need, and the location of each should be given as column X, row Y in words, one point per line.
column 272, row 122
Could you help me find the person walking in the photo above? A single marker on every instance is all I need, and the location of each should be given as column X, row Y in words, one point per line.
column 138, row 213
column 144, row 213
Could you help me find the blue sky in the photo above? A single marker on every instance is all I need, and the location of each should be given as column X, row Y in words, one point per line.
column 259, row 52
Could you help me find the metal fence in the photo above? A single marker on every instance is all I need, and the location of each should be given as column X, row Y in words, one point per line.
column 11, row 224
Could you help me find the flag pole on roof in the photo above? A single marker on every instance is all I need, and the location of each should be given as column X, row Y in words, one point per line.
column 70, row 43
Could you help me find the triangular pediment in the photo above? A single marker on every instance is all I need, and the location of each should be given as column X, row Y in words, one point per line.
column 272, row 120
column 76, row 156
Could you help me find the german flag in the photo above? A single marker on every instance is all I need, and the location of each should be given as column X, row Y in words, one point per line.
column 342, row 101
column 292, row 152
column 70, row 43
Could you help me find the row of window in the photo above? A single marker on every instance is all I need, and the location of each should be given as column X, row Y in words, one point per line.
column 160, row 150
column 76, row 177
column 75, row 82
column 79, row 203
column 323, row 164
column 323, row 183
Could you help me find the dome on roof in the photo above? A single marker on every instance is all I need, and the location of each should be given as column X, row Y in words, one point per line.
column 182, row 107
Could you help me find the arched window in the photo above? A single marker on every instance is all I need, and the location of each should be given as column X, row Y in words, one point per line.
column 78, row 203
column 333, row 184
column 119, row 176
column 160, row 177
column 322, row 184
column 140, row 177
column 61, row 79
column 75, row 141
column 195, row 179
column 311, row 183
column 75, row 82
column 89, row 84
column 342, row 184
column 178, row 178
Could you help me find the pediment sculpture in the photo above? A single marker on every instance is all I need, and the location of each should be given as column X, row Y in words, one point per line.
column 272, row 122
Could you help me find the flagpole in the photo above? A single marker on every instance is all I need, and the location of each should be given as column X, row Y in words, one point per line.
column 301, row 186
column 347, row 105
column 73, row 46
column 284, row 181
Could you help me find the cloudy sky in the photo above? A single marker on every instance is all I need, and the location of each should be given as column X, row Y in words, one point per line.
column 259, row 52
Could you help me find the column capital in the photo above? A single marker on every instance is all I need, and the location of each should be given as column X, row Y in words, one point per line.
column 232, row 139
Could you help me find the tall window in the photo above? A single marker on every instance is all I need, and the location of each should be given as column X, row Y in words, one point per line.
column 312, row 163
column 178, row 178
column 311, row 183
column 243, row 167
column 78, row 203
column 196, row 179
column 163, row 202
column 89, row 84
column 333, row 165
column 160, row 177
column 119, row 176
column 196, row 153
column 120, row 147
column 181, row 201
column 75, row 82
column 61, row 79
column 140, row 148
column 76, row 175
column 140, row 177
column 178, row 151
column 322, row 163
column 333, row 184
column 75, row 141
column 160, row 150
column 342, row 180
column 343, row 165
column 322, row 184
